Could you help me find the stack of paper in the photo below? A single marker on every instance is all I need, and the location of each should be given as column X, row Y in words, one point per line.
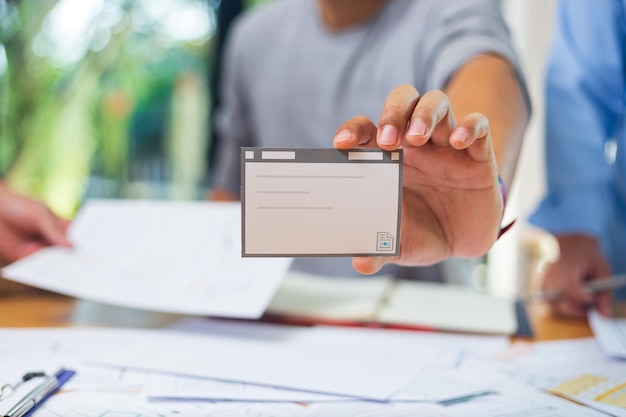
column 419, row 374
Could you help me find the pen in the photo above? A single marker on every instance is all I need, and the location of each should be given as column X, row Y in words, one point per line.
column 593, row 286
column 41, row 393
column 465, row 398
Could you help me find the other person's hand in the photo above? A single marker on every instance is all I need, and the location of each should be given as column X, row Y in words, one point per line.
column 27, row 225
column 580, row 261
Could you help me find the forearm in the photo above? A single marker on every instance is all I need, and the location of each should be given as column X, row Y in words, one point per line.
column 489, row 85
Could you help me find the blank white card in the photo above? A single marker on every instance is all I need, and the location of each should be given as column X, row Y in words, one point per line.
column 320, row 202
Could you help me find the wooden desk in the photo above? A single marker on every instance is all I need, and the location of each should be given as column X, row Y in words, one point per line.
column 547, row 327
column 22, row 306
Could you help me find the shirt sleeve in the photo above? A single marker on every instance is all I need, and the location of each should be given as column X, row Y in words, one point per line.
column 464, row 30
column 584, row 99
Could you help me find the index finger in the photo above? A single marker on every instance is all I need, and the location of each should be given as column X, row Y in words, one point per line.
column 395, row 116
column 356, row 132
column 51, row 228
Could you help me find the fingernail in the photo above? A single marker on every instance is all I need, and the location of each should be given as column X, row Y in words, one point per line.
column 343, row 136
column 459, row 135
column 388, row 135
column 417, row 128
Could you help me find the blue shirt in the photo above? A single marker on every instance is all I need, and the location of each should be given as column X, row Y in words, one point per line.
column 586, row 101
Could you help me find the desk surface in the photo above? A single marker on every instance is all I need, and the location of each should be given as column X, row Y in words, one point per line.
column 22, row 306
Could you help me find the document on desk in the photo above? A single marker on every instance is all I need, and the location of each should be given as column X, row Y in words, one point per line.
column 178, row 257
column 498, row 398
column 610, row 333
column 442, row 351
column 575, row 368
column 115, row 390
column 508, row 401
column 321, row 202
column 47, row 349
column 431, row 384
column 349, row 362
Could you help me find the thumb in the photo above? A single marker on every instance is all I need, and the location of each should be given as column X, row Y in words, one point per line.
column 602, row 302
column 369, row 265
column 53, row 229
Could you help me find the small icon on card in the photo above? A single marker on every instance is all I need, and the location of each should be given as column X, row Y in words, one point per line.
column 385, row 242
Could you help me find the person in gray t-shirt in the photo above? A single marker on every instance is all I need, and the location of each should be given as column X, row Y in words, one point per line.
column 295, row 70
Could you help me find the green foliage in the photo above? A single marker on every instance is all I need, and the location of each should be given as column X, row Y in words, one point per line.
column 65, row 120
column 254, row 3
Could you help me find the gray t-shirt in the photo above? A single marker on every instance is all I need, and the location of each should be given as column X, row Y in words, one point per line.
column 289, row 82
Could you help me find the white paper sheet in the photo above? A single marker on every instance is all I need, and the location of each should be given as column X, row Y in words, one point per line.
column 508, row 401
column 24, row 350
column 112, row 391
column 179, row 257
column 435, row 382
column 610, row 333
column 280, row 356
column 362, row 363
column 511, row 399
column 176, row 387
column 352, row 362
column 574, row 368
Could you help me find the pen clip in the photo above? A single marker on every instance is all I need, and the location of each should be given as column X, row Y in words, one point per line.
column 4, row 390
column 40, row 393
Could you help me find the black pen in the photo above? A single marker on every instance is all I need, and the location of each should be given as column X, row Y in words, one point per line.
column 593, row 286
column 41, row 393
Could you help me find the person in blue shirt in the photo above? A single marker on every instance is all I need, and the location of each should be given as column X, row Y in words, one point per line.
column 585, row 207
column 27, row 225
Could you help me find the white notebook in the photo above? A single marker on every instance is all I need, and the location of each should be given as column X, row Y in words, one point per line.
column 385, row 301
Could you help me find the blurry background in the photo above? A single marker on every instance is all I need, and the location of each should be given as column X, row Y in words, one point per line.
column 106, row 98
column 112, row 98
